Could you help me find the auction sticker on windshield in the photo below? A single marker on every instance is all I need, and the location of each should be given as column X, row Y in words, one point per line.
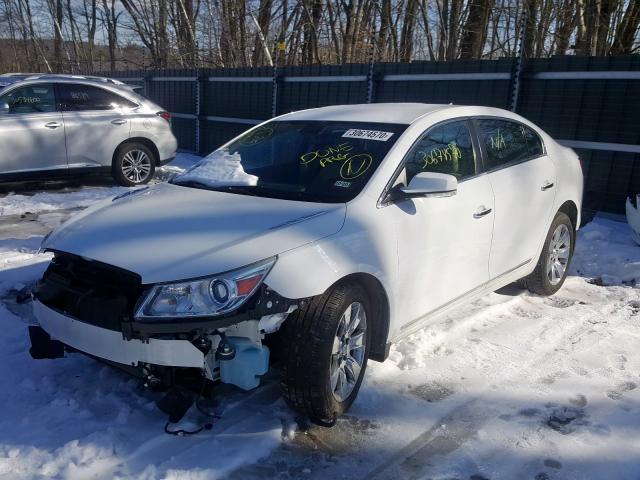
column 368, row 134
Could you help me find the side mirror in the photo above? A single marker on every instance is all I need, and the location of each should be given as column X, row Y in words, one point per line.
column 430, row 184
column 4, row 108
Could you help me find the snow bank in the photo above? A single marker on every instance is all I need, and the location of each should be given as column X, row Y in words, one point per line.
column 220, row 168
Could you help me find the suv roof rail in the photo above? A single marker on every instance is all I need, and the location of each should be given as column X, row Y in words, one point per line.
column 53, row 76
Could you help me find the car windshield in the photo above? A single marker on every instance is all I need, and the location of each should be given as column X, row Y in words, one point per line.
column 315, row 161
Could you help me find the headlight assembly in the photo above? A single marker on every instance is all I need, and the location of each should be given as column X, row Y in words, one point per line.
column 203, row 297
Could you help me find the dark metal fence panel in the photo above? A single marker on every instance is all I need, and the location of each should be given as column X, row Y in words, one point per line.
column 215, row 133
column 476, row 82
column 305, row 87
column 590, row 99
column 575, row 99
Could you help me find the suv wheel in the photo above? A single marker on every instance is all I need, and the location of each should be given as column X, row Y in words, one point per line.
column 553, row 265
column 325, row 346
column 134, row 165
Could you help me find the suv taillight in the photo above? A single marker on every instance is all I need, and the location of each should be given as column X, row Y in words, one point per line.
column 165, row 115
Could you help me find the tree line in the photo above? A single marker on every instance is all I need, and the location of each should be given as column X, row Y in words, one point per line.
column 91, row 35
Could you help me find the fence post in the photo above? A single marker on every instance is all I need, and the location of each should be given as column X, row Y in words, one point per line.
column 146, row 82
column 370, row 80
column 516, row 72
column 200, row 78
column 274, row 90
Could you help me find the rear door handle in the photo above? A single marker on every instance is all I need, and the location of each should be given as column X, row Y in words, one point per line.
column 53, row 125
column 482, row 211
column 546, row 185
column 118, row 122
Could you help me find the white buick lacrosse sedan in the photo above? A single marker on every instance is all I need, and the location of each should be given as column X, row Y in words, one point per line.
column 316, row 240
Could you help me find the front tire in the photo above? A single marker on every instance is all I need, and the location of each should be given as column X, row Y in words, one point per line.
column 553, row 264
column 134, row 164
column 325, row 346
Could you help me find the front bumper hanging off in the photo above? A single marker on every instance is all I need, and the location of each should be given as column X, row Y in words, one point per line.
column 86, row 306
column 110, row 345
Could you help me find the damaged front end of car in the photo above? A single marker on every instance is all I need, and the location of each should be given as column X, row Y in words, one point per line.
column 212, row 328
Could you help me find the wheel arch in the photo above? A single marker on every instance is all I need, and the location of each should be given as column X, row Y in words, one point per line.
column 144, row 141
column 571, row 210
column 379, row 348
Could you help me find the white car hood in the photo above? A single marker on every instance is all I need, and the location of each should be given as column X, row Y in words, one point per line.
column 167, row 232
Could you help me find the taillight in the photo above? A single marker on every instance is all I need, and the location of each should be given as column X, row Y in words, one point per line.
column 165, row 115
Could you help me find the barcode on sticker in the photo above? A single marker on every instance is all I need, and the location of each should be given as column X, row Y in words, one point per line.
column 368, row 134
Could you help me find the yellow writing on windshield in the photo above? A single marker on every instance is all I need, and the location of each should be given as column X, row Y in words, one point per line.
column 336, row 153
column 256, row 136
column 353, row 164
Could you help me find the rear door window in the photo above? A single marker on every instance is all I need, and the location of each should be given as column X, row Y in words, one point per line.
column 504, row 142
column 79, row 97
column 37, row 98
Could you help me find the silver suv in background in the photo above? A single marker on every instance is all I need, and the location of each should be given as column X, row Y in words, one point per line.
column 53, row 125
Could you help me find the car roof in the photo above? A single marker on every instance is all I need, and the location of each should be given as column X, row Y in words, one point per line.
column 11, row 78
column 398, row 113
column 402, row 113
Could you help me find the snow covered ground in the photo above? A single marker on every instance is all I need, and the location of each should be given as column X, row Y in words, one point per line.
column 512, row 387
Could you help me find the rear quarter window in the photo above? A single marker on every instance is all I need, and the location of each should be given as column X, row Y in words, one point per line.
column 79, row 97
column 504, row 142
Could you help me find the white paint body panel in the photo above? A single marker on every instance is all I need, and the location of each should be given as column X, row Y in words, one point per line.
column 521, row 206
column 429, row 254
column 110, row 345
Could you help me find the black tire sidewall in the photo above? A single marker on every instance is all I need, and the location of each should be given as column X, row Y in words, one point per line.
column 307, row 343
column 117, row 165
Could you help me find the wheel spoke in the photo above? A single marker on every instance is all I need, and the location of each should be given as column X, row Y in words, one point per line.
column 343, row 384
column 352, row 368
column 355, row 322
column 336, row 345
column 356, row 340
column 346, row 316
column 335, row 371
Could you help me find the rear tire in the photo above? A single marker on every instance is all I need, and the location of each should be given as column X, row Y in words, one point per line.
column 325, row 346
column 134, row 164
column 553, row 264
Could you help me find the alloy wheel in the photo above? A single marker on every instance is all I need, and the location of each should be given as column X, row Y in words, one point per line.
column 136, row 166
column 558, row 254
column 348, row 352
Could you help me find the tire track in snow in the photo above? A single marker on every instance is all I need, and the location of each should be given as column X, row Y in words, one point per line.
column 462, row 423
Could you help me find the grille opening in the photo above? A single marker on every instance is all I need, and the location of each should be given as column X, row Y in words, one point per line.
column 89, row 291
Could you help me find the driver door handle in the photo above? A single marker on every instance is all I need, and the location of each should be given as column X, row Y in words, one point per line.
column 546, row 185
column 53, row 125
column 482, row 211
column 118, row 122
